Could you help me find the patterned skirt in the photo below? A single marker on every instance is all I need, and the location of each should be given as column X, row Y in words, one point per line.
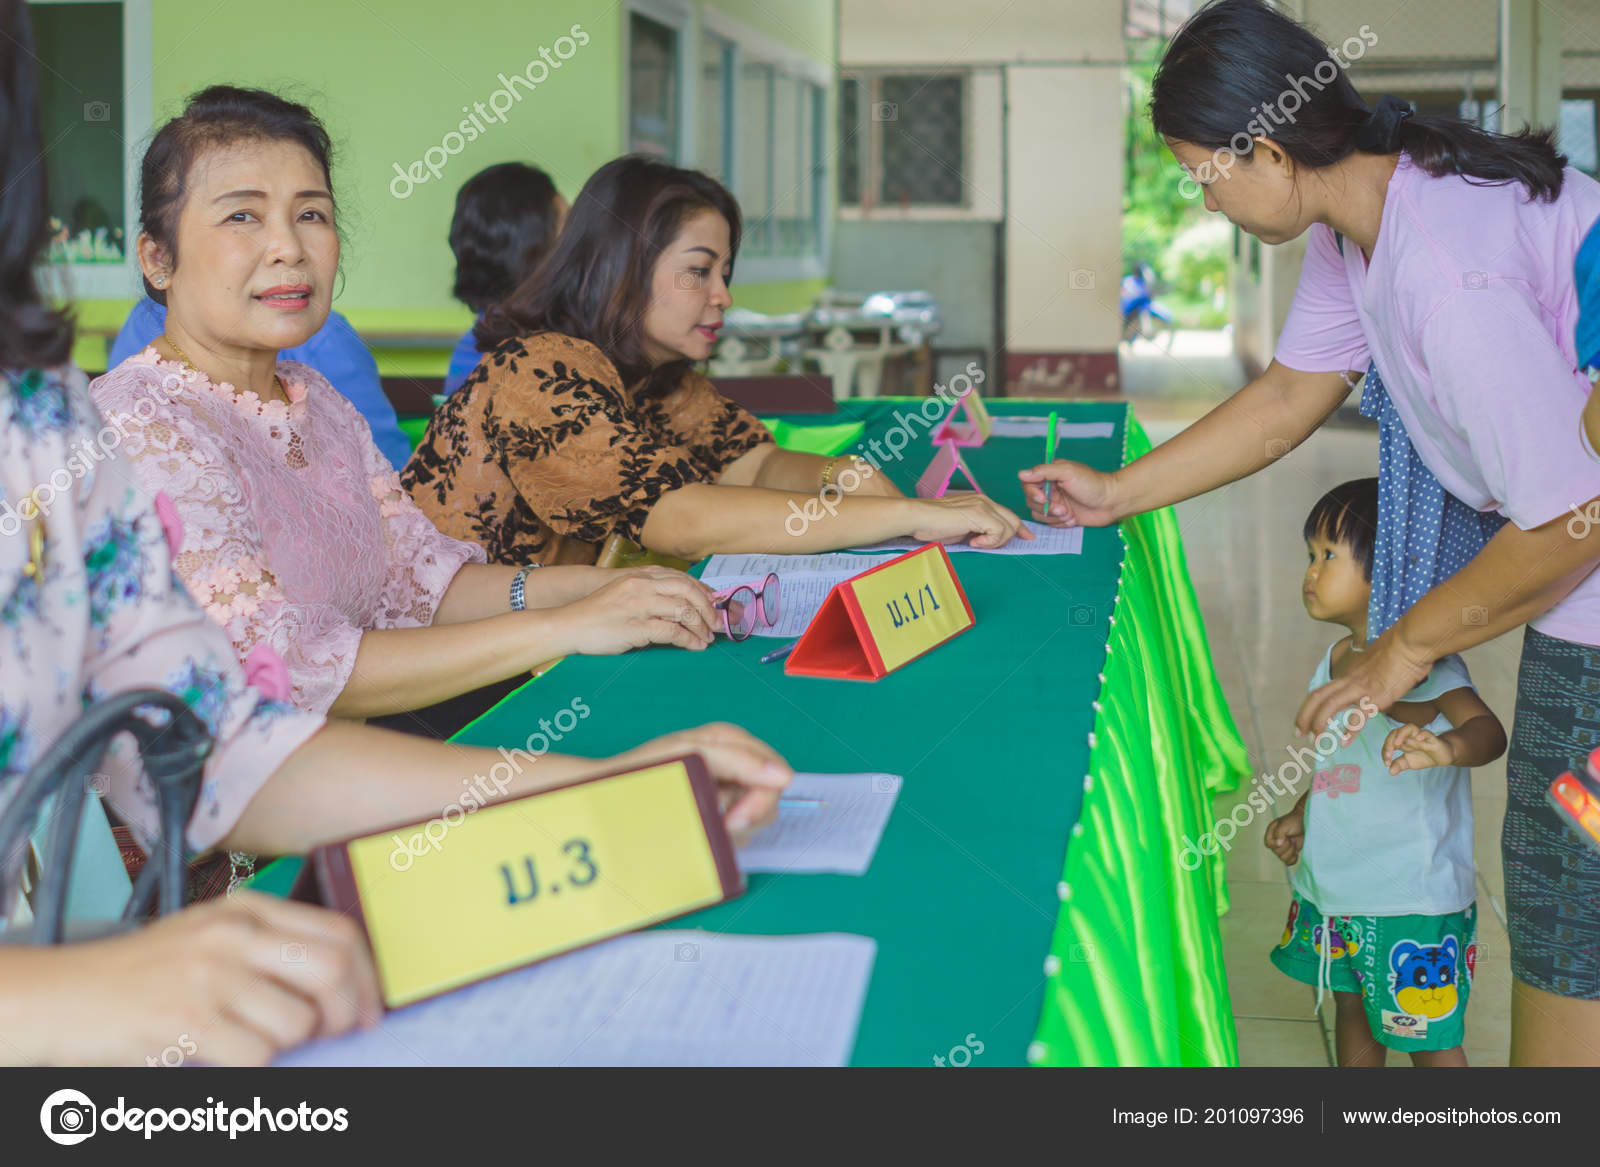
column 1552, row 876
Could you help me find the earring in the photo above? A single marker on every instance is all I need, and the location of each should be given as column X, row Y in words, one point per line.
column 160, row 281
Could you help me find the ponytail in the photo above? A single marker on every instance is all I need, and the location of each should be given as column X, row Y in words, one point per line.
column 1234, row 68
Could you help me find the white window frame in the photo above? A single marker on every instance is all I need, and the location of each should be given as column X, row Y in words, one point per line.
column 730, row 103
column 752, row 46
column 107, row 281
column 680, row 19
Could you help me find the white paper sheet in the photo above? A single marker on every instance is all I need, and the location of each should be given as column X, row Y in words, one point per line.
column 827, row 823
column 1046, row 541
column 672, row 997
column 807, row 580
column 1036, row 427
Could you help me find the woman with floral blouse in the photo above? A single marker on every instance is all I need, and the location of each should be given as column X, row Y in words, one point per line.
column 585, row 419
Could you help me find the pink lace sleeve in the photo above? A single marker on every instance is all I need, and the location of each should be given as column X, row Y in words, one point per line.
column 423, row 561
column 222, row 560
column 143, row 630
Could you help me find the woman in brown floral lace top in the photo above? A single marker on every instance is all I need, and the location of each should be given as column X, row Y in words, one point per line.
column 586, row 418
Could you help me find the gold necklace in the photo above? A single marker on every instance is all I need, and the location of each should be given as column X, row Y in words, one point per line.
column 184, row 357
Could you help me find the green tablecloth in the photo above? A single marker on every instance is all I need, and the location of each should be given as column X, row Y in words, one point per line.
column 992, row 733
column 1027, row 891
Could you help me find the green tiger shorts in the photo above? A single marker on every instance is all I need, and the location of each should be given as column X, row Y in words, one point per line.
column 1414, row 973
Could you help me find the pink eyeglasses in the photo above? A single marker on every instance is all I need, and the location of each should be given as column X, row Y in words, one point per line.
column 741, row 606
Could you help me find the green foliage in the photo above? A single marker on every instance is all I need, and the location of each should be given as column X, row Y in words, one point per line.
column 1155, row 213
column 1197, row 258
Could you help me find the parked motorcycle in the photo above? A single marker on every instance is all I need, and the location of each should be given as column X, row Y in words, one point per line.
column 1142, row 315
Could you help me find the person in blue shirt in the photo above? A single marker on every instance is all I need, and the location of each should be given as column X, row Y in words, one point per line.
column 335, row 350
column 506, row 220
column 1587, row 273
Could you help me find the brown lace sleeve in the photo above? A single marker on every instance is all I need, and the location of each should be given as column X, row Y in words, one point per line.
column 590, row 460
column 716, row 431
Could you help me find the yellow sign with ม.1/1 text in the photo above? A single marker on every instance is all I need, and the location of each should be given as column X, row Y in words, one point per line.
column 874, row 623
column 911, row 605
column 519, row 881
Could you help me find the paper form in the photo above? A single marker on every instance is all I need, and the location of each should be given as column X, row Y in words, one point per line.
column 806, row 582
column 1035, row 427
column 671, row 997
column 1046, row 541
column 837, row 835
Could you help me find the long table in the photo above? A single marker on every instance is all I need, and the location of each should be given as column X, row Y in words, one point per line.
column 1029, row 893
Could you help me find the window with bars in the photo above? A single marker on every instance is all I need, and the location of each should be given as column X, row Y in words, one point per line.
column 903, row 139
column 1578, row 135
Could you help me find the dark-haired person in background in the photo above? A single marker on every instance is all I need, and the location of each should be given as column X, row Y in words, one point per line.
column 1587, row 273
column 89, row 607
column 1444, row 255
column 586, row 418
column 507, row 218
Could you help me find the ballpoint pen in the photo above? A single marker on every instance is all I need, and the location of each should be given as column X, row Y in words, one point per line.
column 1049, row 456
column 779, row 653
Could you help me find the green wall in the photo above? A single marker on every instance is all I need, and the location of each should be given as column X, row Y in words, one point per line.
column 390, row 80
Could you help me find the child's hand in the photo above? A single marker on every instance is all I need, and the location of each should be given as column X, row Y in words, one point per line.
column 1418, row 749
column 1286, row 835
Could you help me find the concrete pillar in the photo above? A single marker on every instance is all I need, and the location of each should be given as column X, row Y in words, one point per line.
column 1064, row 127
column 1530, row 64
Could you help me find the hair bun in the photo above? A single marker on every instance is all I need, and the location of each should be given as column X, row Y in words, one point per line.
column 1380, row 133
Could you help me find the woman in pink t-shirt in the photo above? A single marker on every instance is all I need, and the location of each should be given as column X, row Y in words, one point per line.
column 1444, row 255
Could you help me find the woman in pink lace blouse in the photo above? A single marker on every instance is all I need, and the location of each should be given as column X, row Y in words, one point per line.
column 90, row 606
column 298, row 534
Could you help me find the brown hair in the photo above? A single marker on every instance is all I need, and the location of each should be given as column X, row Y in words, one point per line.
column 1230, row 61
column 595, row 283
column 221, row 115
column 33, row 334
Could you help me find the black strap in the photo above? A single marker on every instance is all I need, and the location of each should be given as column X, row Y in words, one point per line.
column 174, row 755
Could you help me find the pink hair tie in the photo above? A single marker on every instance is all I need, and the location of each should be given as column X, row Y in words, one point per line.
column 265, row 672
column 171, row 524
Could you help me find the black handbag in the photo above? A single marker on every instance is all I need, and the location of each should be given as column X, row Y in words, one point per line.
column 173, row 750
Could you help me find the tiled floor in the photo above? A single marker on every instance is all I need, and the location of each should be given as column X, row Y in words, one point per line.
column 1246, row 558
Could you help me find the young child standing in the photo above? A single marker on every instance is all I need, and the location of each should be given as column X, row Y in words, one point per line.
column 1383, row 913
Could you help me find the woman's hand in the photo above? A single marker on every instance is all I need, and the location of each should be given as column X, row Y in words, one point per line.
column 233, row 982
column 750, row 774
column 961, row 518
column 1080, row 496
column 1418, row 749
column 1383, row 674
column 638, row 607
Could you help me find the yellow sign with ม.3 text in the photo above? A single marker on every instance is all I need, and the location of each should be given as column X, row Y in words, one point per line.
column 910, row 605
column 536, row 876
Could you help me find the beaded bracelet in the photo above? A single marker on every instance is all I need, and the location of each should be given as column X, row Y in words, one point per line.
column 519, row 599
